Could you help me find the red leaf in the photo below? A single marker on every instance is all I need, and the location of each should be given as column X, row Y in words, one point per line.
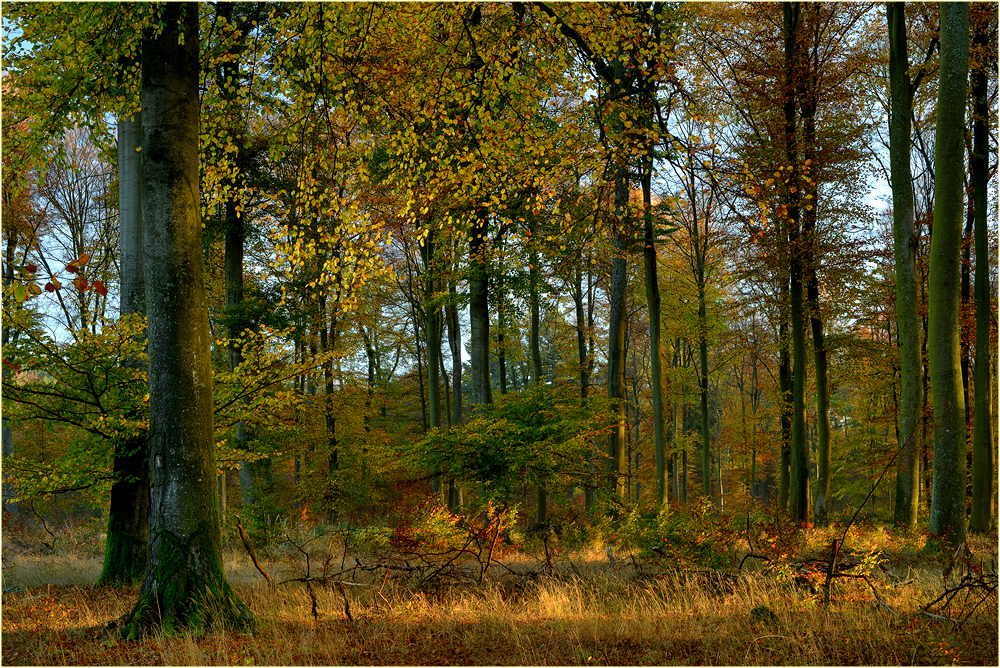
column 72, row 268
column 101, row 290
column 49, row 287
column 32, row 268
column 80, row 283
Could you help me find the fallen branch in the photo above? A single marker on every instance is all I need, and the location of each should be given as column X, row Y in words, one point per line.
column 249, row 548
column 754, row 556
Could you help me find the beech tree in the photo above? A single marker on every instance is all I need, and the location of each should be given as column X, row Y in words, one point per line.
column 905, row 247
column 185, row 585
column 983, row 443
column 947, row 521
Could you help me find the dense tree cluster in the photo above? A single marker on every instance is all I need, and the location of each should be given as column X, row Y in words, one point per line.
column 238, row 236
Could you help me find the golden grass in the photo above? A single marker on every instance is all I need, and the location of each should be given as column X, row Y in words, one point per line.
column 604, row 615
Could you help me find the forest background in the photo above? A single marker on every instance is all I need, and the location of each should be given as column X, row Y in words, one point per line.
column 593, row 271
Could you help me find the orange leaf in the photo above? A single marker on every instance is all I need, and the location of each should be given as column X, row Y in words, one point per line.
column 101, row 290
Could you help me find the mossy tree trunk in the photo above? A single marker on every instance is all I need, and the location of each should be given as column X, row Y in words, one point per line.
column 905, row 251
column 799, row 449
column 983, row 445
column 126, row 553
column 185, row 586
column 948, row 498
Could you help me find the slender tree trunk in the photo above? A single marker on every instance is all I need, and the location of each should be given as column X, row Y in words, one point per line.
column 328, row 332
column 799, row 487
column 983, row 445
column 674, row 430
column 479, row 311
column 416, row 343
column 455, row 344
column 811, row 270
column 905, row 251
column 432, row 333
column 126, row 553
column 536, row 351
column 185, row 585
column 653, row 308
column 947, row 519
column 9, row 490
column 616, row 339
column 785, row 389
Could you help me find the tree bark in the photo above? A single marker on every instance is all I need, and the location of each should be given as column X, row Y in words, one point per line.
column 126, row 554
column 616, row 338
column 455, row 344
column 947, row 520
column 536, row 350
column 905, row 252
column 185, row 585
column 811, row 270
column 479, row 311
column 799, row 484
column 653, row 308
column 983, row 460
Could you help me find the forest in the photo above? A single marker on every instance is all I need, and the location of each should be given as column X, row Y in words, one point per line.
column 527, row 333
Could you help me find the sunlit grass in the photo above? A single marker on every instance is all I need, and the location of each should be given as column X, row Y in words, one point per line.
column 592, row 612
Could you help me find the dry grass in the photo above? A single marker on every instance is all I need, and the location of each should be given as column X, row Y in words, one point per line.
column 588, row 613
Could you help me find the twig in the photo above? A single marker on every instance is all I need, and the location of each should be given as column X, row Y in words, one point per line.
column 834, row 551
column 388, row 564
column 250, row 550
column 449, row 562
column 312, row 598
column 755, row 556
column 939, row 617
column 52, row 545
column 347, row 603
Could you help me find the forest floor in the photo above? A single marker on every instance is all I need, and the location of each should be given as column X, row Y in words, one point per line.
column 580, row 608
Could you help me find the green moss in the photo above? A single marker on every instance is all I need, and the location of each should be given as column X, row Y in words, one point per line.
column 188, row 590
column 124, row 561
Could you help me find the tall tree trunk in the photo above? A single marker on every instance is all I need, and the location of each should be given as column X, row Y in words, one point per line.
column 581, row 349
column 416, row 343
column 254, row 476
column 185, row 585
column 811, row 269
column 9, row 492
column 947, row 519
column 432, row 334
column 536, row 350
column 799, row 486
column 126, row 554
column 905, row 251
column 653, row 308
column 455, row 344
column 675, row 391
column 328, row 332
column 616, row 338
column 785, row 389
column 479, row 311
column 983, row 462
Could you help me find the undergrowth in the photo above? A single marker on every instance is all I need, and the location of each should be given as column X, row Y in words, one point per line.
column 657, row 589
